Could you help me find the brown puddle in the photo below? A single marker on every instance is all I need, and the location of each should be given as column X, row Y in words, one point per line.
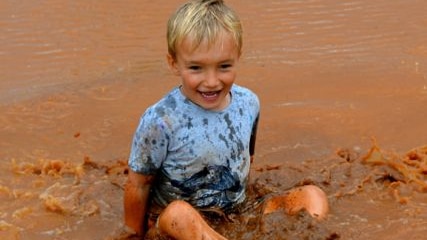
column 84, row 199
column 331, row 76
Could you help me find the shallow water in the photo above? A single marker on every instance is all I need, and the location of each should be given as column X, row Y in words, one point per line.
column 331, row 75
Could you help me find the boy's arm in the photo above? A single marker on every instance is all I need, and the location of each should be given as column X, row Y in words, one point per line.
column 136, row 195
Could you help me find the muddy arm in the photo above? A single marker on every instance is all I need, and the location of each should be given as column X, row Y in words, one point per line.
column 136, row 201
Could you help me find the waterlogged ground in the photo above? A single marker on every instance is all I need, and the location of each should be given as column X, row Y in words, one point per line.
column 343, row 88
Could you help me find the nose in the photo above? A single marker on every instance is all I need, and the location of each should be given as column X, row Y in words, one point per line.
column 211, row 79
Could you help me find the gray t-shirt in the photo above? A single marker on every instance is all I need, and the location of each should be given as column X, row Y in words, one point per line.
column 197, row 155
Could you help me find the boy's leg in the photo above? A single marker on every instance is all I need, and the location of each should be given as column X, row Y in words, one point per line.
column 309, row 197
column 181, row 221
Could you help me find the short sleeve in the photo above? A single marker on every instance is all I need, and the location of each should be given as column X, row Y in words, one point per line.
column 149, row 145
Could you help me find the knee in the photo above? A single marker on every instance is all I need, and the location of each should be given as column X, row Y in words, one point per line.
column 175, row 210
column 180, row 220
column 311, row 198
column 175, row 213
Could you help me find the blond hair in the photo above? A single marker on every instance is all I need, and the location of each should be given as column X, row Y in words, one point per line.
column 203, row 20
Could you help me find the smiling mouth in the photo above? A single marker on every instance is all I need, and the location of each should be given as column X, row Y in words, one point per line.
column 210, row 95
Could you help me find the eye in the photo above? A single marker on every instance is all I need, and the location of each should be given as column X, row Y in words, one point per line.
column 225, row 66
column 194, row 67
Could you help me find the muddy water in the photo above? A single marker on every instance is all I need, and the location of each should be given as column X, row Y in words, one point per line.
column 332, row 76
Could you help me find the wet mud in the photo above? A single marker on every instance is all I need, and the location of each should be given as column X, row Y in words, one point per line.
column 343, row 90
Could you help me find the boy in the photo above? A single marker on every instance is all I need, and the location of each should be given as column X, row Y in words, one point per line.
column 192, row 150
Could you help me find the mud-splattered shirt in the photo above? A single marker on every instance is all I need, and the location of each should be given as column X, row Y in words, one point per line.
column 197, row 155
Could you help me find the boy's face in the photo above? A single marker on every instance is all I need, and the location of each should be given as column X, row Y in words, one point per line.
column 207, row 72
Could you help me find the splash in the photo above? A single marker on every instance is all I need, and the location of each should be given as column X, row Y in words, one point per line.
column 63, row 196
column 411, row 168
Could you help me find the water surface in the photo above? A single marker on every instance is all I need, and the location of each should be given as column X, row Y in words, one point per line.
column 331, row 75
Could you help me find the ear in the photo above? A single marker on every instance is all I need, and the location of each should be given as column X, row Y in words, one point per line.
column 172, row 64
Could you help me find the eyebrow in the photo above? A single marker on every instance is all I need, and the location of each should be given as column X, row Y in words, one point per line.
column 229, row 60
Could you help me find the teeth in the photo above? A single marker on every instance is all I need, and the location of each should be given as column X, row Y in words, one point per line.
column 209, row 94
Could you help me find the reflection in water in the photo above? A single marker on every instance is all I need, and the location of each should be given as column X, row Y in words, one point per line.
column 76, row 75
